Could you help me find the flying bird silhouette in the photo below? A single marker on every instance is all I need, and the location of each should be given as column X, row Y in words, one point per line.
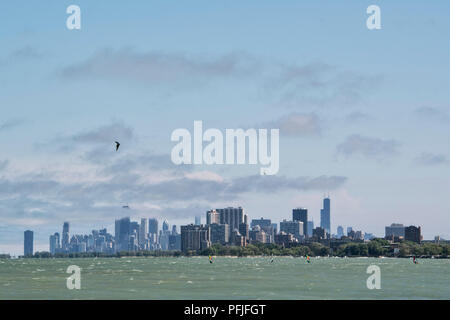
column 117, row 145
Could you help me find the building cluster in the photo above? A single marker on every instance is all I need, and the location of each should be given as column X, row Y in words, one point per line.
column 129, row 236
column 230, row 226
column 227, row 226
column 397, row 232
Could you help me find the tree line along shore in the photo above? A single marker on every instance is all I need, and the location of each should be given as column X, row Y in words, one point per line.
column 373, row 248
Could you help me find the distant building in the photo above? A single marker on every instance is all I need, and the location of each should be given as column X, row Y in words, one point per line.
column 165, row 226
column 267, row 226
column 122, row 234
column 257, row 234
column 143, row 234
column 359, row 235
column 175, row 241
column 293, row 227
column 325, row 216
column 340, row 232
column 285, row 239
column 275, row 229
column 301, row 214
column 220, row 233
column 54, row 243
column 153, row 231
column 238, row 239
column 197, row 220
column 413, row 233
column 319, row 233
column 65, row 237
column 310, row 228
column 212, row 216
column 395, row 230
column 261, row 222
column 349, row 231
column 195, row 237
column 244, row 230
column 231, row 216
column 28, row 243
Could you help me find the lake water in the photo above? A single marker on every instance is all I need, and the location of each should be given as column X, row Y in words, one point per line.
column 226, row 278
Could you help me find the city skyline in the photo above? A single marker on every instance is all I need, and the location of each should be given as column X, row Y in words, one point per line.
column 362, row 114
column 131, row 236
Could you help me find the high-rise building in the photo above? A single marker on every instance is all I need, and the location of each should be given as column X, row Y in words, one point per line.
column 325, row 215
column 54, row 243
column 212, row 216
column 122, row 234
column 220, row 233
column 293, row 227
column 165, row 226
column 275, row 229
column 153, row 230
column 232, row 216
column 28, row 243
column 266, row 226
column 349, row 231
column 395, row 230
column 310, row 228
column 65, row 237
column 143, row 234
column 413, row 233
column 301, row 214
column 261, row 222
column 195, row 237
column 244, row 230
column 340, row 232
column 197, row 220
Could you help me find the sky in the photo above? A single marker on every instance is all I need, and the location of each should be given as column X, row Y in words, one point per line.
column 363, row 114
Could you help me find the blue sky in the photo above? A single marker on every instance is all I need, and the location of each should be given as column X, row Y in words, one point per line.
column 363, row 115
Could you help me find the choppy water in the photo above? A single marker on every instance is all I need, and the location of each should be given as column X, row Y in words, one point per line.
column 226, row 278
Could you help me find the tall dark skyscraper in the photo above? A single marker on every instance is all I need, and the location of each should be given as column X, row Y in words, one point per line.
column 152, row 226
column 325, row 216
column 232, row 216
column 122, row 233
column 28, row 243
column 301, row 214
column 65, row 237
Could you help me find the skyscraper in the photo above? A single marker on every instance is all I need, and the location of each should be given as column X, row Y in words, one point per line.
column 122, row 233
column 340, row 231
column 212, row 216
column 28, row 243
column 310, row 228
column 65, row 237
column 54, row 243
column 143, row 234
column 301, row 214
column 231, row 216
column 198, row 220
column 153, row 230
column 165, row 226
column 325, row 215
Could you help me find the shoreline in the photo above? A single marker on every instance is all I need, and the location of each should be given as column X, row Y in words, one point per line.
column 224, row 256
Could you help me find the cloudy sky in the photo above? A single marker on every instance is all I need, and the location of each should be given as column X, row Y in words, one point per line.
column 363, row 115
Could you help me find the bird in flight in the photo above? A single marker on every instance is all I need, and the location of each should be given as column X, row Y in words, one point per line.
column 117, row 145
